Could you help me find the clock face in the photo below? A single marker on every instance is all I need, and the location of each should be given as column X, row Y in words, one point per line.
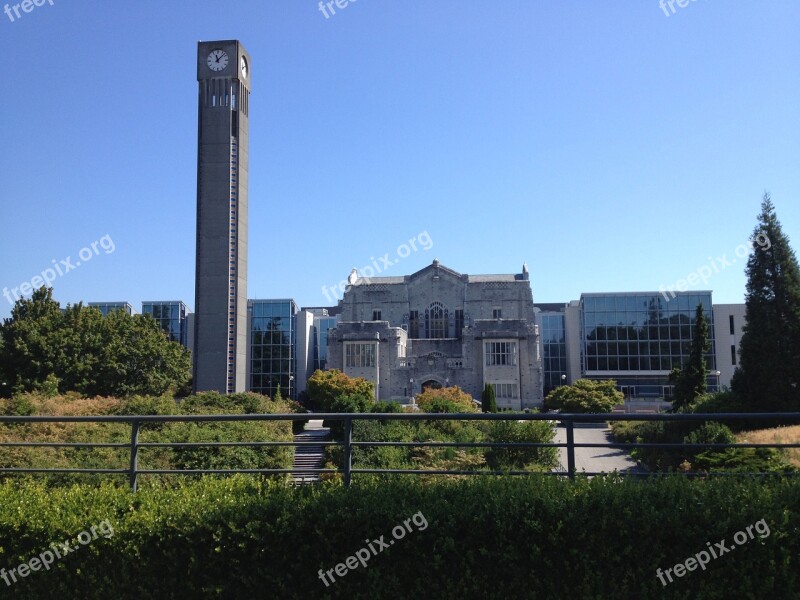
column 217, row 60
column 244, row 67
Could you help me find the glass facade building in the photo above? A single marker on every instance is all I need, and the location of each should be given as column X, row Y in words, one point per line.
column 321, row 327
column 107, row 307
column 638, row 338
column 171, row 317
column 273, row 332
column 554, row 350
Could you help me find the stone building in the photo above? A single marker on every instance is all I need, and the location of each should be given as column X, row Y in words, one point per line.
column 439, row 328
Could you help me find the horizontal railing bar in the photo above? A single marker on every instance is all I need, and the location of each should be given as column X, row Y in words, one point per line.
column 224, row 444
column 454, row 472
column 64, row 445
column 679, row 445
column 464, row 444
column 56, row 470
column 655, row 474
column 229, row 471
column 575, row 445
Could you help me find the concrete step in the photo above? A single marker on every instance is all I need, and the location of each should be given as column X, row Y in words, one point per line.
column 310, row 457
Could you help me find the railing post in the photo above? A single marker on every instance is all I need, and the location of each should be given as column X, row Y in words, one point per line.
column 134, row 453
column 571, row 448
column 348, row 450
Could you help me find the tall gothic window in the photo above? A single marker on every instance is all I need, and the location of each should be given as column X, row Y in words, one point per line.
column 436, row 325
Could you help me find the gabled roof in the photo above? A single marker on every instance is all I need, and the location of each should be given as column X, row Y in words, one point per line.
column 440, row 270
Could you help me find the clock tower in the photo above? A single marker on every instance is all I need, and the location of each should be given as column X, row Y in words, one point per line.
column 220, row 342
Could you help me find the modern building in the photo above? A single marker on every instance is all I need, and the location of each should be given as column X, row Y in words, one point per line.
column 552, row 333
column 272, row 348
column 439, row 328
column 729, row 320
column 636, row 338
column 220, row 341
column 324, row 319
column 107, row 307
column 322, row 325
column 172, row 317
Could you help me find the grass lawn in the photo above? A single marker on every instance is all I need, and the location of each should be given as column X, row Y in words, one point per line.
column 777, row 435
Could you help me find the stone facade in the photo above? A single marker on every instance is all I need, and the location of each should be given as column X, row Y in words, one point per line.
column 438, row 327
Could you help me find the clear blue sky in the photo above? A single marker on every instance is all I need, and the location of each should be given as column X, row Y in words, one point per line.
column 610, row 146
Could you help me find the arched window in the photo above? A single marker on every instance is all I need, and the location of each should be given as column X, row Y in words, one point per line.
column 436, row 321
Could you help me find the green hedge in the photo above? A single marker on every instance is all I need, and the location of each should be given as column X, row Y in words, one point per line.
column 531, row 537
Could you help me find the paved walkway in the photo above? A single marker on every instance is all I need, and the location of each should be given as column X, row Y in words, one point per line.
column 593, row 460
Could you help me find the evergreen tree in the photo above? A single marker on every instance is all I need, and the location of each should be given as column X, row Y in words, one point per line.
column 690, row 381
column 768, row 375
column 488, row 399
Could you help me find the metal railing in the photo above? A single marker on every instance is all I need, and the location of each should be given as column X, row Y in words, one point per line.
column 347, row 470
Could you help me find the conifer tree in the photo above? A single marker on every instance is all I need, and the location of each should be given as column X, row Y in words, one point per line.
column 768, row 375
column 691, row 380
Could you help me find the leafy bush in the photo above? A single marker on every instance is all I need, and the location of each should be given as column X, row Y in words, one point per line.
column 442, row 405
column 19, row 405
column 247, row 403
column 521, row 458
column 585, row 396
column 384, row 406
column 446, row 400
column 237, row 457
column 347, row 403
column 147, row 405
column 711, row 433
column 749, row 460
column 626, row 432
column 494, row 537
column 324, row 387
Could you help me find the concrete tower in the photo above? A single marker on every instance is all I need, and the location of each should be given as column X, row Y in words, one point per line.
column 220, row 341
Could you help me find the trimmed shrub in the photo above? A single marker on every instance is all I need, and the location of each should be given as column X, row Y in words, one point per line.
column 585, row 396
column 493, row 537
column 446, row 400
column 520, row 457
